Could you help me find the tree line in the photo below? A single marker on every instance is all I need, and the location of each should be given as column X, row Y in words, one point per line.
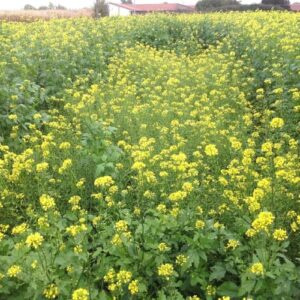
column 234, row 5
column 50, row 6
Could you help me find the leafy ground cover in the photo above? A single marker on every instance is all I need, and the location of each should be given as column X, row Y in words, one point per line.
column 150, row 157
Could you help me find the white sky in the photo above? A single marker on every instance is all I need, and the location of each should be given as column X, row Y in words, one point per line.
column 19, row 4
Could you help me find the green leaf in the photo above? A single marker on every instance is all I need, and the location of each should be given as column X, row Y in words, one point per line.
column 228, row 288
column 194, row 257
column 99, row 170
column 103, row 296
column 247, row 287
column 218, row 273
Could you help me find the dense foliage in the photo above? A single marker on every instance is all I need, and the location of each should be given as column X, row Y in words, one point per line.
column 206, row 4
column 150, row 157
column 234, row 5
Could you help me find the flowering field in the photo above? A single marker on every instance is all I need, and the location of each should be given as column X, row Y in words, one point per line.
column 34, row 15
column 150, row 157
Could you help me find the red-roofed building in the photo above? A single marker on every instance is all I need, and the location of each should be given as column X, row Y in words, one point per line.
column 295, row 7
column 116, row 9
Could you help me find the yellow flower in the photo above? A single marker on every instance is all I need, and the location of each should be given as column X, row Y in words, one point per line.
column 74, row 200
column 34, row 240
column 34, row 264
column 76, row 229
column 235, row 143
column 4, row 228
column 280, row 234
column 43, row 222
column 163, row 247
column 51, row 291
column 13, row 117
column 19, row 229
column 47, row 202
column 137, row 211
column 175, row 211
column 257, row 268
column 133, row 287
column 165, row 270
column 80, row 294
column 41, row 167
column 267, row 147
column 277, row 123
column 64, row 145
column 211, row 290
column 263, row 221
column 250, row 232
column 181, row 259
column 104, row 181
column 37, row 116
column 199, row 224
column 80, row 183
column 116, row 240
column 124, row 276
column 138, row 166
column 121, row 226
column 232, row 244
column 77, row 249
column 96, row 220
column 14, row 271
column 211, row 150
column 161, row 208
column 112, row 287
column 177, row 196
column 110, row 276
column 67, row 163
column 187, row 187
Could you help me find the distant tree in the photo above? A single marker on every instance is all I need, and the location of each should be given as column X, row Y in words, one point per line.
column 51, row 5
column 100, row 9
column 282, row 3
column 29, row 7
column 207, row 4
column 126, row 1
column 43, row 8
column 61, row 7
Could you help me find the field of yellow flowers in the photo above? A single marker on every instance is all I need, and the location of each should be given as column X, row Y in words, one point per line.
column 150, row 157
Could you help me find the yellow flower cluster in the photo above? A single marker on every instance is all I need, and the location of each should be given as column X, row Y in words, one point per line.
column 232, row 244
column 165, row 270
column 257, row 268
column 181, row 259
column 277, row 123
column 76, row 229
column 80, row 294
column 280, row 234
column 47, row 202
column 104, row 181
column 41, row 167
column 117, row 280
column 199, row 224
column 19, row 229
column 163, row 247
column 14, row 271
column 133, row 287
column 34, row 240
column 262, row 223
column 51, row 291
column 178, row 139
column 211, row 150
column 67, row 163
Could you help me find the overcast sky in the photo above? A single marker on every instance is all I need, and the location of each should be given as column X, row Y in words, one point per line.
column 19, row 4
